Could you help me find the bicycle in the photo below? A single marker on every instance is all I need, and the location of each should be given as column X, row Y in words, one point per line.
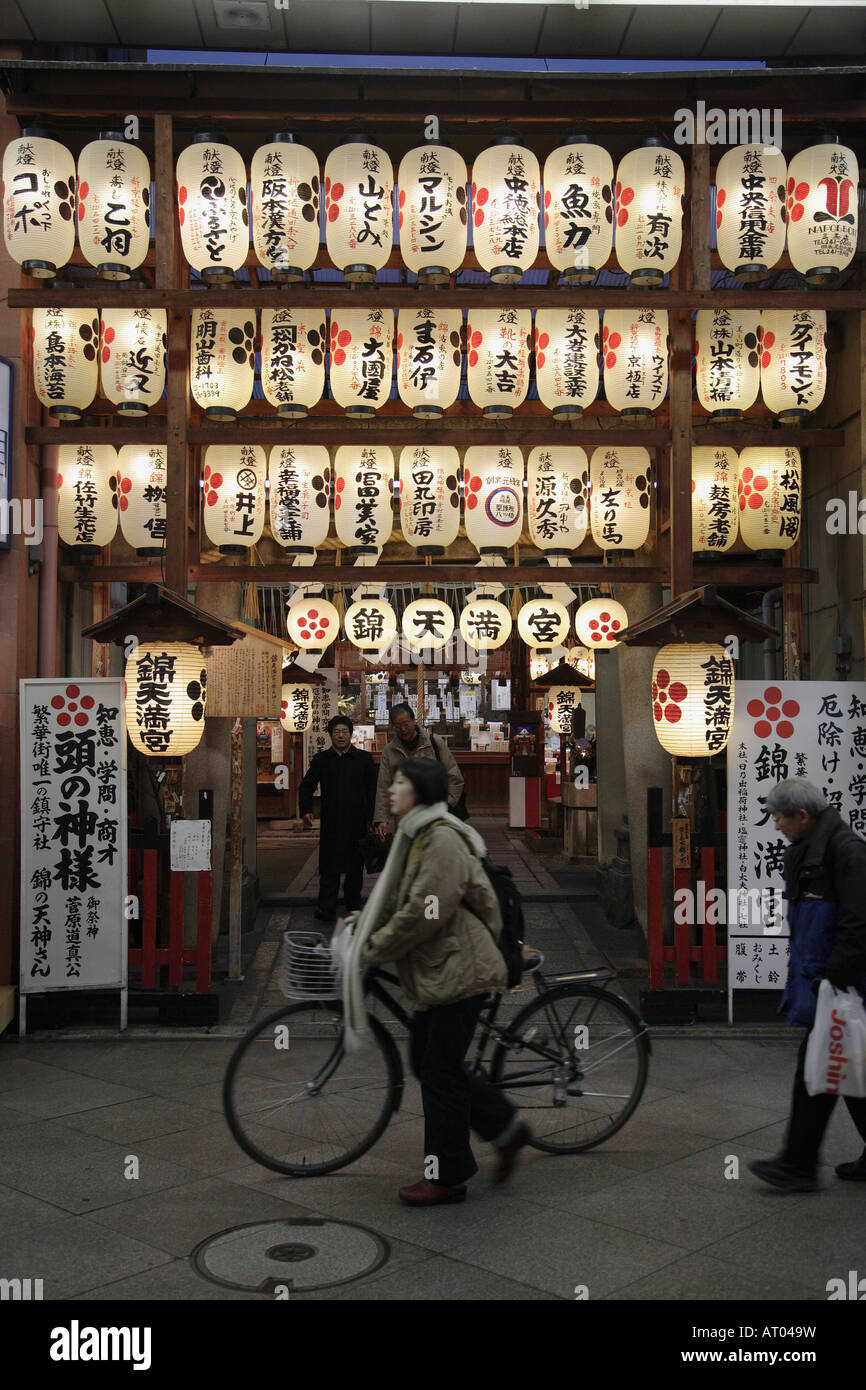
column 299, row 1104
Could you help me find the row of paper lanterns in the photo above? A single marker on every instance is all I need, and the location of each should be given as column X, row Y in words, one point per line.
column 757, row 197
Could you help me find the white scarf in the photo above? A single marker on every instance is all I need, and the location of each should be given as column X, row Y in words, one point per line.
column 373, row 913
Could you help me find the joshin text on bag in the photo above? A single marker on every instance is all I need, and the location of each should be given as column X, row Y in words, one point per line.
column 836, row 1050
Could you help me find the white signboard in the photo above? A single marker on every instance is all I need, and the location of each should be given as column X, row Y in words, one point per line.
column 189, row 846
column 322, row 708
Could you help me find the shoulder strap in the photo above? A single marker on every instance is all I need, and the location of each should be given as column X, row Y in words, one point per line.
column 435, row 748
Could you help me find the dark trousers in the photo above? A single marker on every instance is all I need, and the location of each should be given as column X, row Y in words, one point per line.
column 329, row 885
column 453, row 1100
column 809, row 1118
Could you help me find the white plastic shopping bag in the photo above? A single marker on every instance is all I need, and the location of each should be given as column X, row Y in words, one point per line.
column 340, row 945
column 836, row 1050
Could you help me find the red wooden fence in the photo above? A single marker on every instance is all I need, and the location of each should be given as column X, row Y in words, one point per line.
column 152, row 853
column 694, row 944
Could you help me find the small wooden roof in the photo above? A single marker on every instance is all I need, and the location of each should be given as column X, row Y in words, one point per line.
column 292, row 673
column 698, row 616
column 162, row 615
column 563, row 674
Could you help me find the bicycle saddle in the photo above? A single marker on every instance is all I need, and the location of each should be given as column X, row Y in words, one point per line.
column 532, row 959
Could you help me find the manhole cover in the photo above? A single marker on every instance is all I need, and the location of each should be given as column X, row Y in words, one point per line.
column 306, row 1252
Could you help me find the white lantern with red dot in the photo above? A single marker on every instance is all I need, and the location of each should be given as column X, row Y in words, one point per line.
column 234, row 496
column 793, row 361
column 222, row 361
column 299, row 482
column 166, row 697
column 578, row 209
column 212, row 208
column 727, row 361
column 362, row 343
column 86, row 506
column 621, row 483
column 359, row 228
column 497, row 360
column 38, row 202
column 635, row 353
column 562, row 701
column 557, row 498
column 313, row 624
column 543, row 623
column 599, row 623
column 431, row 206
column 294, row 343
column 296, row 706
column 141, row 496
column 770, row 497
column 113, row 205
column 693, row 698
column 65, row 366
column 430, row 496
column 284, row 202
column 428, row 360
column 822, row 210
column 506, row 201
column 750, row 209
column 370, row 625
column 715, row 474
column 485, row 624
column 773, row 715
column 428, row 624
column 363, row 483
column 566, row 360
column 132, row 358
column 649, row 212
column 493, row 497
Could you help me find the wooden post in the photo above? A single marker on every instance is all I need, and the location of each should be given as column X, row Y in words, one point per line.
column 236, row 844
column 169, row 273
column 700, row 220
column 681, row 454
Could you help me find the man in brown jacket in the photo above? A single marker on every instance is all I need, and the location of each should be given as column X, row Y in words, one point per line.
column 411, row 742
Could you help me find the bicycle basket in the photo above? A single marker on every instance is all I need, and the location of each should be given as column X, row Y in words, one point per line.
column 308, row 969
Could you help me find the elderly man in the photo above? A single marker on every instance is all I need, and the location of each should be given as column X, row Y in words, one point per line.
column 347, row 777
column 825, row 877
column 412, row 742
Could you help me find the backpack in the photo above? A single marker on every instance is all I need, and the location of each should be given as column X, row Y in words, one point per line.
column 511, row 910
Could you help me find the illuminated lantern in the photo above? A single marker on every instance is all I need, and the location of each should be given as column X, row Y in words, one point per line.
column 566, row 360
column 493, row 497
column 599, row 622
column 359, row 226
column 212, row 208
column 506, row 199
column 715, row 474
column 361, row 359
column 38, row 202
column 65, row 350
column 294, row 343
column 620, row 497
column 693, row 698
column 141, row 496
column 428, row 360
column 793, row 366
column 86, row 507
column 727, row 364
column 431, row 204
column 485, row 624
column 635, row 352
column 557, row 498
column 166, row 695
column 299, row 481
column 430, row 496
column 132, row 358
column 578, row 209
column 822, row 210
column 370, row 625
column 234, row 496
column 750, row 209
column 222, row 360
column 543, row 623
column 113, row 205
column 427, row 624
column 284, row 201
column 497, row 360
column 296, row 706
column 770, row 495
column 562, row 701
column 313, row 624
column 649, row 212
column 362, row 496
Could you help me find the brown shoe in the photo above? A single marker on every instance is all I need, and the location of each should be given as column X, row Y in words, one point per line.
column 431, row 1194
column 506, row 1156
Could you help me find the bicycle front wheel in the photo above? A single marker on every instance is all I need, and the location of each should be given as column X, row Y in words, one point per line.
column 575, row 1062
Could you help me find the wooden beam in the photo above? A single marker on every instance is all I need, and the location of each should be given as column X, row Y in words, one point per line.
column 165, row 211
column 700, row 217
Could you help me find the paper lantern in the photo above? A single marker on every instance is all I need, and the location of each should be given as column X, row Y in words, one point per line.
column 284, row 202
column 233, row 496
column 750, row 209
column 693, row 698
column 432, row 211
column 727, row 364
column 86, row 509
column 430, row 496
column 485, row 624
column 578, row 209
column 294, row 343
column 599, row 623
column 506, row 199
column 497, row 360
column 428, row 624
column 562, row 701
column 361, row 359
column 793, row 365
column 113, row 205
column 313, row 624
column 770, row 496
column 299, row 481
column 715, row 475
column 543, row 623
column 822, row 210
column 222, row 360
column 65, row 351
column 566, row 360
column 132, row 358
column 649, row 212
column 212, row 208
column 166, row 695
column 493, row 497
column 141, row 496
column 557, row 498
column 359, row 226
column 428, row 360
column 370, row 625
column 620, row 497
column 296, row 707
column 635, row 352
column 362, row 496
column 38, row 203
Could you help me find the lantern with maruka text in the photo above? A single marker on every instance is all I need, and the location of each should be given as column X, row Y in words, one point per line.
column 485, row 624
column 222, row 361
column 38, row 202
column 506, row 200
column 693, row 698
column 294, row 343
column 428, row 624
column 65, row 349
column 362, row 342
column 562, row 701
column 313, row 624
column 557, row 498
column 363, row 481
column 566, row 360
column 113, row 205
column 132, row 358
column 621, row 481
column 750, row 209
column 578, row 209
column 543, row 623
column 649, row 212
column 599, row 623
column 86, row 508
column 166, row 695
column 212, row 208
column 296, row 706
column 770, row 497
column 432, row 211
column 635, row 352
column 793, row 365
column 299, row 479
column 715, row 474
column 370, row 625
column 428, row 360
column 233, row 496
column 430, row 496
column 141, row 496
column 493, row 497
column 822, row 210
column 284, row 202
column 727, row 364
column 497, row 359
column 359, row 187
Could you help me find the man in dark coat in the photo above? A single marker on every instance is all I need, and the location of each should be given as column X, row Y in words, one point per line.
column 825, row 879
column 347, row 777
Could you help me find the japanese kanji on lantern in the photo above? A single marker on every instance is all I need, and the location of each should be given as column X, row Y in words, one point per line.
column 493, row 497
column 86, row 507
column 578, row 209
column 649, row 212
column 362, row 342
column 428, row 624
column 222, row 360
column 485, row 624
column 132, row 358
column 727, row 361
column 566, row 360
column 635, row 353
column 750, row 209
column 363, row 479
column 233, row 496
column 65, row 350
column 371, row 625
column 497, row 359
column 620, row 497
column 166, row 695
column 359, row 186
column 770, row 497
column 284, row 202
column 431, row 202
column 793, row 362
column 693, row 698
column 506, row 199
column 140, row 496
column 599, row 623
column 296, row 707
column 38, row 202
column 294, row 343
column 562, row 701
column 430, row 496
column 715, row 474
column 428, row 360
column 822, row 210
column 299, row 482
column 543, row 623
column 557, row 498
column 113, row 205
column 212, row 207
column 313, row 623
